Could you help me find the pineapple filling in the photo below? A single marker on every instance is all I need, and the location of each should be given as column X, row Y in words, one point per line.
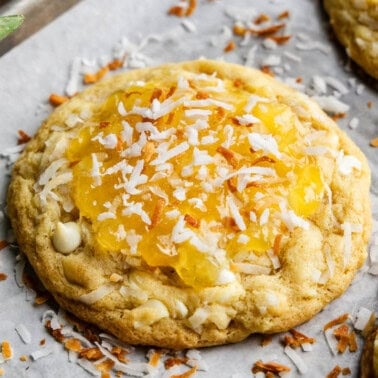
column 187, row 174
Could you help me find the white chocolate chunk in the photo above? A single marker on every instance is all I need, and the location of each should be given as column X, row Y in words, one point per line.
column 149, row 313
column 66, row 237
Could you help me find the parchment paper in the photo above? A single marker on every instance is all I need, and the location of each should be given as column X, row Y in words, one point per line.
column 90, row 30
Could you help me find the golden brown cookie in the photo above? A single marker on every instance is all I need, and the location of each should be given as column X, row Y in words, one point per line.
column 355, row 23
column 369, row 358
column 192, row 204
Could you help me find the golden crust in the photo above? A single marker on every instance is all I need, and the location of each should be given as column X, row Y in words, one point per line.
column 299, row 297
column 355, row 23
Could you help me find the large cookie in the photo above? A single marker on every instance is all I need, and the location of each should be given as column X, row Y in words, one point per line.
column 355, row 23
column 192, row 204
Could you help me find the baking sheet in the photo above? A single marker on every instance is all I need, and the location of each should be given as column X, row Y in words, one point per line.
column 90, row 30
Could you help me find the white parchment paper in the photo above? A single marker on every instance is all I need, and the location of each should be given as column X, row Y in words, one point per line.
column 41, row 65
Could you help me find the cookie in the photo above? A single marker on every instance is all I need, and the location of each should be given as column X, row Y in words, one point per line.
column 369, row 358
column 355, row 23
column 192, row 204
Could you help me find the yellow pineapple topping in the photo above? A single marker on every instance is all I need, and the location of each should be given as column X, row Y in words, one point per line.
column 189, row 173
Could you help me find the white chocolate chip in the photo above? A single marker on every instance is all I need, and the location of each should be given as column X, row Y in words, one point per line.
column 149, row 313
column 181, row 309
column 66, row 237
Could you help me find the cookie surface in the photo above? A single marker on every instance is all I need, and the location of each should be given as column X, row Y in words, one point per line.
column 355, row 24
column 192, row 204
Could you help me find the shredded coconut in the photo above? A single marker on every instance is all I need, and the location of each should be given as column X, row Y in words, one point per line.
column 235, row 213
column 96, row 295
column 24, row 333
column 267, row 143
column 331, row 104
column 297, row 359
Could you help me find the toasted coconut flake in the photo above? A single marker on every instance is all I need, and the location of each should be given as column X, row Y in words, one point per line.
column 266, row 367
column 266, row 340
column 187, row 374
column 284, row 14
column 335, row 372
column 155, row 357
column 191, row 221
column 280, row 39
column 352, row 344
column 173, row 361
column 73, row 344
column 91, row 78
column 157, row 213
column 341, row 334
column 374, row 142
column 23, row 137
column 6, row 350
column 261, row 18
column 105, row 366
column 229, row 155
column 269, row 30
column 42, row 298
column 90, row 354
column 297, row 339
column 339, row 320
column 120, row 354
column 229, row 46
column 56, row 99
